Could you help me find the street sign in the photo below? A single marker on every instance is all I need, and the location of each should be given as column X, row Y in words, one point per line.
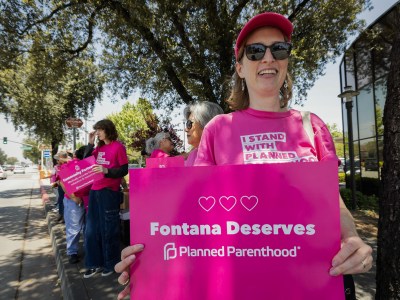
column 26, row 148
column 46, row 154
column 74, row 122
column 44, row 147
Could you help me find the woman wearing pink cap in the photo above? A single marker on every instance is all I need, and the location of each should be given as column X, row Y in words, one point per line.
column 261, row 90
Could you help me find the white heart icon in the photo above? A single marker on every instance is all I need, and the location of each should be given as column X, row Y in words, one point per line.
column 207, row 203
column 227, row 202
column 249, row 202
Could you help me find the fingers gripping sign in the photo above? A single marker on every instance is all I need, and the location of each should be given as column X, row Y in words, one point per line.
column 354, row 257
column 100, row 169
column 128, row 257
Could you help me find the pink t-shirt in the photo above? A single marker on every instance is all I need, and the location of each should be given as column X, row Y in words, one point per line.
column 158, row 153
column 110, row 156
column 56, row 171
column 256, row 137
column 189, row 162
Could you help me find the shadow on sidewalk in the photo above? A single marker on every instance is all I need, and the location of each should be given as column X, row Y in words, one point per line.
column 73, row 285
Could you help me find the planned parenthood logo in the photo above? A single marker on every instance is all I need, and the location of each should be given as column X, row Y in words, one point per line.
column 170, row 251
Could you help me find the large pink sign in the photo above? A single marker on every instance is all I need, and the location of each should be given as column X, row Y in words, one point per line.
column 236, row 232
column 78, row 174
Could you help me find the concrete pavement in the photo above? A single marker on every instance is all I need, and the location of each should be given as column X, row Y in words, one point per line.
column 27, row 266
column 73, row 285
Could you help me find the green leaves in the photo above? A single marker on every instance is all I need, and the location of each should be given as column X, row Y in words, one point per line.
column 56, row 58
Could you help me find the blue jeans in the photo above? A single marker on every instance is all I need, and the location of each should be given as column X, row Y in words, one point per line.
column 74, row 217
column 102, row 233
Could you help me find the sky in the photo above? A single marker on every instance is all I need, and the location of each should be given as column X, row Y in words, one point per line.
column 322, row 98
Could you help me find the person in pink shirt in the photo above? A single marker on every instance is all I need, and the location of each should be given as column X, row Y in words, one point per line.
column 102, row 233
column 262, row 129
column 74, row 214
column 159, row 146
column 197, row 115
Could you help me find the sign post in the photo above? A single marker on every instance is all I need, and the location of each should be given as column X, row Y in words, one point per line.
column 74, row 123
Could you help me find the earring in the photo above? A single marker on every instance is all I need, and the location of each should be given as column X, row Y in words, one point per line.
column 285, row 85
column 283, row 94
column 243, row 85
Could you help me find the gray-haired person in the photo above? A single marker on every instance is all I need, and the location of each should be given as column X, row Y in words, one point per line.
column 159, row 146
column 197, row 115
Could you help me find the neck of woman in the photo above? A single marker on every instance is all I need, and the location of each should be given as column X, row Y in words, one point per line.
column 272, row 104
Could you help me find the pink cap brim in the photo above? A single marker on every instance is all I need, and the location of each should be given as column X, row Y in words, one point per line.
column 263, row 20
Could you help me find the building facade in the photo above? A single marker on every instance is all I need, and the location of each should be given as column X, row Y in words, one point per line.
column 365, row 68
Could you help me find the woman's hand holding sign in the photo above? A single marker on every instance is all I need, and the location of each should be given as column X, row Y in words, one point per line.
column 100, row 169
column 354, row 256
column 128, row 257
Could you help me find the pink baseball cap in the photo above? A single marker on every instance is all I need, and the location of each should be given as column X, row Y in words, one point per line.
column 265, row 19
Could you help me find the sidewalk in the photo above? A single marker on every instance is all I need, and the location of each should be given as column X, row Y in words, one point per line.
column 28, row 270
column 73, row 285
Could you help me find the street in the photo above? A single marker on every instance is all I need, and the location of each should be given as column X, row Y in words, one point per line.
column 28, row 269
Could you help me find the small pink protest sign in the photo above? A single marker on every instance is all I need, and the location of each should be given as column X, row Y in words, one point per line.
column 236, row 232
column 78, row 174
column 165, row 162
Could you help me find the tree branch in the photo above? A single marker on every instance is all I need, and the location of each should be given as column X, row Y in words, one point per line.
column 157, row 47
column 238, row 9
column 91, row 23
column 49, row 16
column 205, row 77
column 298, row 9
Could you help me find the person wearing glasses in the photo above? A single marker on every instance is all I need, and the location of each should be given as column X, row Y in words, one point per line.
column 197, row 115
column 267, row 131
column 159, row 146
column 262, row 129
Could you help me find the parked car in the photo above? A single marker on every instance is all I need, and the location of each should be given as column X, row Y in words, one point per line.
column 341, row 166
column 371, row 164
column 3, row 174
column 19, row 170
column 8, row 168
column 357, row 167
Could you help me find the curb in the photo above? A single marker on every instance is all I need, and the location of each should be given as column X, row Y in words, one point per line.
column 72, row 286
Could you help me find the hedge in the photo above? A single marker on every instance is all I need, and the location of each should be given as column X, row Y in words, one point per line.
column 364, row 202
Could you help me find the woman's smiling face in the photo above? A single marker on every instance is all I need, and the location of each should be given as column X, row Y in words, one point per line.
column 264, row 77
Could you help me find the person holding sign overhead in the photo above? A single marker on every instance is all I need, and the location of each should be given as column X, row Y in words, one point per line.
column 262, row 129
column 102, row 234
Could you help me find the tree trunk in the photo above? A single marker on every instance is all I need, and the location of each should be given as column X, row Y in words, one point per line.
column 388, row 260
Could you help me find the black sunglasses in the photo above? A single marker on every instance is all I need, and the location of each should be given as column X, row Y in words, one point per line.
column 279, row 50
column 189, row 124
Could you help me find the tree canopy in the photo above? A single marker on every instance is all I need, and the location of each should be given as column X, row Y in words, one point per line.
column 33, row 154
column 136, row 123
column 3, row 157
column 173, row 51
column 42, row 84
